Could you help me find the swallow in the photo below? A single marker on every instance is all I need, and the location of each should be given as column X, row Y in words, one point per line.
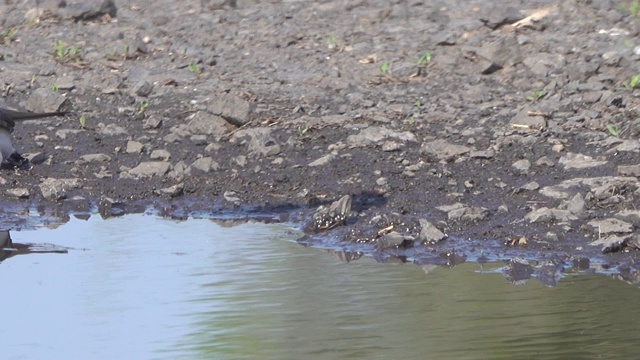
column 9, row 157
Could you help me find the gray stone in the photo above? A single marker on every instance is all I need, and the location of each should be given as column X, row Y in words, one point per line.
column 443, row 150
column 152, row 123
column 579, row 161
column 429, row 233
column 611, row 226
column 375, row 135
column 546, row 215
column 611, row 243
column 143, row 88
column 89, row 10
column 231, row 108
column 20, row 193
column 150, row 168
column 577, row 204
column 62, row 134
column 523, row 122
column 134, row 147
column 522, row 166
column 56, row 189
column 204, row 123
column 323, row 160
column 160, row 154
column 111, row 130
column 172, row 191
column 93, row 158
column 391, row 240
column 629, row 170
column 459, row 211
column 205, row 164
column 45, row 100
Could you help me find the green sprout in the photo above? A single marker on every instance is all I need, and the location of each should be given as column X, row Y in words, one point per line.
column 63, row 52
column 412, row 121
column 143, row 106
column 384, row 68
column 333, row 42
column 8, row 34
column 613, row 130
column 424, row 59
column 633, row 7
column 83, row 121
column 633, row 82
column 194, row 68
column 537, row 95
column 302, row 130
column 54, row 87
column 419, row 106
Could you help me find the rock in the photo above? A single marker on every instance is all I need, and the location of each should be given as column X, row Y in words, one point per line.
column 611, row 243
column 56, row 189
column 231, row 108
column 375, row 135
column 150, row 169
column 111, row 130
column 544, row 63
column 230, row 196
column 443, row 150
column 93, row 158
column 134, row 147
column 546, row 215
column 151, row 123
column 172, row 191
column 611, row 226
column 89, row 10
column 429, row 234
column 629, row 170
column 19, row 193
column 143, row 88
column 524, row 122
column 45, row 100
column 64, row 133
column 576, row 205
column 459, row 211
column 579, row 161
column 204, row 123
column 517, row 271
column 160, row 154
column 323, row 160
column 261, row 142
column 391, row 240
column 108, row 207
column 522, row 166
column 205, row 164
column 326, row 218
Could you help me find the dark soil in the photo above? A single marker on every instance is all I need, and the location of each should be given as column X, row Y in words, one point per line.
column 270, row 108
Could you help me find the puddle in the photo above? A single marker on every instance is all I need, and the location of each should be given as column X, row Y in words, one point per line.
column 142, row 287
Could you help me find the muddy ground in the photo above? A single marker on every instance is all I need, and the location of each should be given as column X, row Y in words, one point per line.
column 505, row 130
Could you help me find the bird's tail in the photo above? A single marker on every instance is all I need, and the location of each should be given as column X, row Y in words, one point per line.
column 24, row 115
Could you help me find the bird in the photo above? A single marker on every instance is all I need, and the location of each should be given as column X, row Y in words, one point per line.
column 9, row 157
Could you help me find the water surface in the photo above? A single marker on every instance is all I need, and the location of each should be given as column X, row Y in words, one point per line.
column 141, row 287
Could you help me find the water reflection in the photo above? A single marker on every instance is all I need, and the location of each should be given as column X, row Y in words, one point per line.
column 140, row 287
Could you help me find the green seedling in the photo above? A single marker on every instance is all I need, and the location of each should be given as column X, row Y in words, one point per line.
column 633, row 82
column 333, row 42
column 424, row 59
column 7, row 35
column 194, row 68
column 537, row 95
column 613, row 130
column 302, row 130
column 384, row 68
column 54, row 87
column 412, row 121
column 143, row 106
column 419, row 106
column 633, row 7
column 62, row 52
column 83, row 121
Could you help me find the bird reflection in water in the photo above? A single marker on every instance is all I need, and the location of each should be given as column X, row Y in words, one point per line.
column 8, row 248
